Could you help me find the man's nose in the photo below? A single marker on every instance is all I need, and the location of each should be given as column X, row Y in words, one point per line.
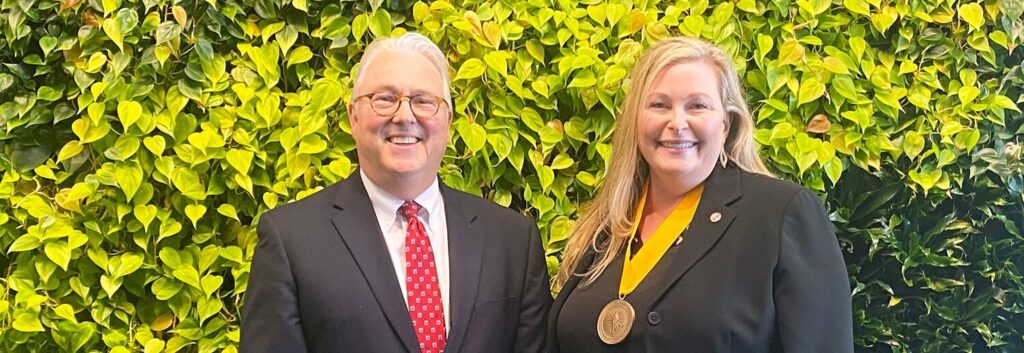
column 404, row 113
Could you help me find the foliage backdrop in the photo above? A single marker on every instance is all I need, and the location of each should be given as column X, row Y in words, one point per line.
column 141, row 140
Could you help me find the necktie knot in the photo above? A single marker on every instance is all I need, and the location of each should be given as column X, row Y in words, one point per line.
column 409, row 209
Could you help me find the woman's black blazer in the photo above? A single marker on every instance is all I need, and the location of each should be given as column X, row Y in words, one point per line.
column 768, row 276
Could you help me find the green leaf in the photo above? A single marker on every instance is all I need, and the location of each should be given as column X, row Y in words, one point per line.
column 208, row 307
column 187, row 181
column 920, row 96
column 967, row 94
column 790, row 52
column 110, row 285
column 189, row 275
column 195, row 212
column 145, row 214
column 228, row 211
column 614, row 75
column 168, row 228
column 59, row 253
column 884, row 18
column 211, row 284
column 562, row 161
column 583, row 78
column 128, row 112
column 312, row 144
column 129, row 178
column 326, row 93
column 546, row 176
column 299, row 55
column 27, row 322
column 380, row 23
column 241, row 160
column 470, row 69
column 500, row 144
column 835, row 65
column 973, row 14
column 66, row 312
column 496, row 61
column 859, row 7
column 232, row 253
column 128, row 264
column 114, row 32
column 123, row 149
column 810, row 90
column 154, row 144
column 473, row 135
column 49, row 94
column 165, row 288
column 946, row 157
column 913, row 144
column 359, row 25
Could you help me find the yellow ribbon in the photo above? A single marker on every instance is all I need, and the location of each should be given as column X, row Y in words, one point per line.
column 635, row 268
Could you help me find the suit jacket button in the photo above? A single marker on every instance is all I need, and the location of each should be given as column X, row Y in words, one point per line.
column 654, row 318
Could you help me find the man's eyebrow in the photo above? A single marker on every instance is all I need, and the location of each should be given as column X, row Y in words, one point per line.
column 385, row 88
column 420, row 91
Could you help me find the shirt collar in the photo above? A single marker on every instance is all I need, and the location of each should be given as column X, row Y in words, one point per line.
column 386, row 205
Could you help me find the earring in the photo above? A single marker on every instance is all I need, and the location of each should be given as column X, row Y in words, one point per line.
column 722, row 157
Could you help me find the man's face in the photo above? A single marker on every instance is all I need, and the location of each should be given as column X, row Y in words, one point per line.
column 400, row 147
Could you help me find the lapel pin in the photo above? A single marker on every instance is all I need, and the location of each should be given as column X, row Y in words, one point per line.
column 715, row 217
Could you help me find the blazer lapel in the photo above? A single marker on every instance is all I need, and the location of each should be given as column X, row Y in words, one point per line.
column 721, row 189
column 465, row 253
column 357, row 224
column 563, row 294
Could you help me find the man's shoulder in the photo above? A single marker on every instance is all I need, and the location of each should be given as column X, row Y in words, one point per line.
column 313, row 203
column 482, row 207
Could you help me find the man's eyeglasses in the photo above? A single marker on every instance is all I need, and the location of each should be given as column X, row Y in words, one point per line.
column 424, row 106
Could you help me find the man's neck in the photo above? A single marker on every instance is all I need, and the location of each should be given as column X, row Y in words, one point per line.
column 401, row 187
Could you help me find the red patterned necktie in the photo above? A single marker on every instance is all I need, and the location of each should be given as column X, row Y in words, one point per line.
column 424, row 294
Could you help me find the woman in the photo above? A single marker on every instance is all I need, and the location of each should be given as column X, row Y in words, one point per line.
column 722, row 256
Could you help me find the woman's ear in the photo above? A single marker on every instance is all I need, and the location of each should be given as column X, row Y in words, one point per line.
column 727, row 123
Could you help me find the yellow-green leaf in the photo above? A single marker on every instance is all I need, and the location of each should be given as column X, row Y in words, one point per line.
column 790, row 52
column 59, row 253
column 27, row 322
column 810, row 90
column 470, row 69
column 71, row 149
column 973, row 14
column 195, row 212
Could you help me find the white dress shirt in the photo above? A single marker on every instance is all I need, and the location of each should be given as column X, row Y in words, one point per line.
column 393, row 226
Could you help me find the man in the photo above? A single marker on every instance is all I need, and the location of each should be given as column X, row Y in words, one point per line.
column 390, row 260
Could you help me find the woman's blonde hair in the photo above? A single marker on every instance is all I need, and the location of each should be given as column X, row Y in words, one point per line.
column 611, row 210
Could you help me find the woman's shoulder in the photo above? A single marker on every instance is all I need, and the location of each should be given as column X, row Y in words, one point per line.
column 760, row 186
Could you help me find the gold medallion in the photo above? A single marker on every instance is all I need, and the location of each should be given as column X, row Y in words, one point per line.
column 615, row 321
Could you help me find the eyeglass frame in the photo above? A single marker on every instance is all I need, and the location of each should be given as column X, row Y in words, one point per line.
column 407, row 98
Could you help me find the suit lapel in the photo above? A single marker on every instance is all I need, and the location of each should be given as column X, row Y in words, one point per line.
column 465, row 253
column 721, row 189
column 563, row 294
column 357, row 224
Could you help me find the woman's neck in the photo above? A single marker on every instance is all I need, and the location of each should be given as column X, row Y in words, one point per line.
column 663, row 194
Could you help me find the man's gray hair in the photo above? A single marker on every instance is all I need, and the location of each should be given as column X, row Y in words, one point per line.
column 410, row 42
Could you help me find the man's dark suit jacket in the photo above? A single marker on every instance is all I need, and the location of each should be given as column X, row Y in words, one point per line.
column 322, row 279
column 768, row 276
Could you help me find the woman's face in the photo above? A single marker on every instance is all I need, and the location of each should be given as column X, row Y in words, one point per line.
column 682, row 123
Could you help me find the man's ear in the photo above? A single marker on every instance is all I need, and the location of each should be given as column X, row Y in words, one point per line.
column 352, row 119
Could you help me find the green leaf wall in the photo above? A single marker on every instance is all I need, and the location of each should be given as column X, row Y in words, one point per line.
column 140, row 140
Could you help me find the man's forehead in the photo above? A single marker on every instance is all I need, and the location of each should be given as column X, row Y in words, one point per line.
column 403, row 72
